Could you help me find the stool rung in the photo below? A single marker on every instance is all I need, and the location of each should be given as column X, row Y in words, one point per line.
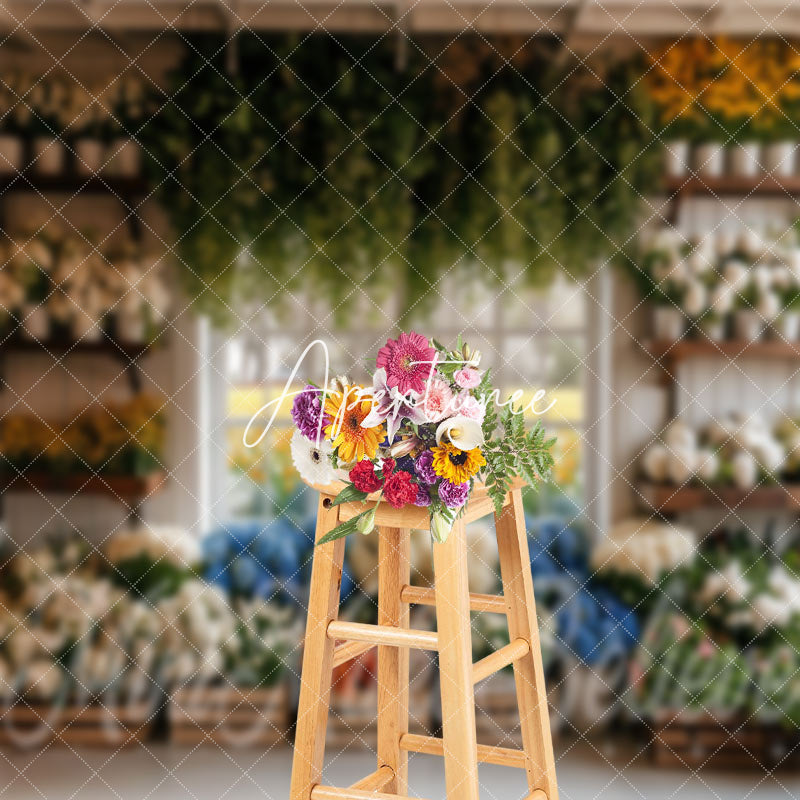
column 383, row 635
column 537, row 794
column 332, row 793
column 434, row 746
column 419, row 595
column 375, row 781
column 349, row 650
column 512, row 652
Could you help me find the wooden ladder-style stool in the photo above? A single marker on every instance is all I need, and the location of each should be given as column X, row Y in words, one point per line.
column 330, row 642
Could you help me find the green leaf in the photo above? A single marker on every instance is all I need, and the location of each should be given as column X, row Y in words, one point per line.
column 348, row 494
column 343, row 530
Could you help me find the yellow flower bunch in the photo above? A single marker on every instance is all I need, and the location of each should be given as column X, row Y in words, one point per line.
column 22, row 438
column 121, row 438
column 721, row 85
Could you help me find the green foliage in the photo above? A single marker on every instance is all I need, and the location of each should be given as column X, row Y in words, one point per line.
column 320, row 166
column 344, row 528
column 153, row 580
column 514, row 452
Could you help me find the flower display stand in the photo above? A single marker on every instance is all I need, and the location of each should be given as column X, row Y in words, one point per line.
column 330, row 642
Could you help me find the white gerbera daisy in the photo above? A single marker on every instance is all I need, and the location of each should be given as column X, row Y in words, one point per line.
column 312, row 462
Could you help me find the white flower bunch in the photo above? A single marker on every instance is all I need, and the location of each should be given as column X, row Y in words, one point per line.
column 739, row 445
column 644, row 548
column 172, row 543
column 708, row 278
column 773, row 606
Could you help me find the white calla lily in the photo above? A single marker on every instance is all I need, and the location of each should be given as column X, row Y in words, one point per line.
column 462, row 432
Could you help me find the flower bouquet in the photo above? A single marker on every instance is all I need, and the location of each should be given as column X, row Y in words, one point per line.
column 422, row 434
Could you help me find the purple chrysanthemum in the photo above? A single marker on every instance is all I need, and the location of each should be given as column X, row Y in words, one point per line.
column 454, row 495
column 423, row 466
column 306, row 412
column 423, row 498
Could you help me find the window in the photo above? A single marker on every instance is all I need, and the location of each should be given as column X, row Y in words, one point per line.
column 530, row 340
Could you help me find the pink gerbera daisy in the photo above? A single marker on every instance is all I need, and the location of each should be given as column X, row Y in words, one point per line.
column 405, row 360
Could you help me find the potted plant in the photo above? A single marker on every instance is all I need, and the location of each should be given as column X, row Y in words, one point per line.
column 12, row 112
column 34, row 265
column 666, row 277
column 747, row 322
column 787, row 324
column 712, row 325
column 47, row 150
column 92, row 141
column 124, row 154
column 745, row 158
column 780, row 148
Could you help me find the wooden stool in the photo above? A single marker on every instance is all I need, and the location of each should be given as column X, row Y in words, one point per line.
column 453, row 641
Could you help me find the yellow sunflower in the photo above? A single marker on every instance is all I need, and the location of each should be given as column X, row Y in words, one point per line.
column 346, row 412
column 456, row 466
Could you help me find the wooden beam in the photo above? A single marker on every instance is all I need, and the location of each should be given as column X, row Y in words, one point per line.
column 347, row 651
column 500, row 658
column 616, row 21
column 375, row 781
column 383, row 635
column 433, row 746
column 419, row 595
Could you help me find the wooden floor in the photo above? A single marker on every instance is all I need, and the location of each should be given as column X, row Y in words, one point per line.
column 163, row 772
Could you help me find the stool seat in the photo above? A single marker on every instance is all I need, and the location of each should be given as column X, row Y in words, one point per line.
column 478, row 506
column 330, row 642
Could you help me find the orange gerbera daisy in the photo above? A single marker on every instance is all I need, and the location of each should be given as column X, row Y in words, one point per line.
column 347, row 410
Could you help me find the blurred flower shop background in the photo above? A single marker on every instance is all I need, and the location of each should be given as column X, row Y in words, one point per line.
column 601, row 198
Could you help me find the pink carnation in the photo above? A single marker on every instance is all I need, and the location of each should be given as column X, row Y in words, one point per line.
column 437, row 401
column 405, row 360
column 467, row 378
column 468, row 406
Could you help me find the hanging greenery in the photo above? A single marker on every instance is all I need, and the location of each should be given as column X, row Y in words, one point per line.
column 318, row 163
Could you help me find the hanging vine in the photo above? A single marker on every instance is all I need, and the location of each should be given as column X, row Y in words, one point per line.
column 319, row 164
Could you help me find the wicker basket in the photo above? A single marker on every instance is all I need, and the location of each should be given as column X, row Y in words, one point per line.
column 701, row 741
column 97, row 724
column 352, row 721
column 229, row 716
column 497, row 711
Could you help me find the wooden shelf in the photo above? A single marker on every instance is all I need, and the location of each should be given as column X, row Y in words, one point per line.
column 673, row 499
column 30, row 181
column 682, row 188
column 761, row 185
column 110, row 347
column 684, row 349
column 129, row 489
column 128, row 353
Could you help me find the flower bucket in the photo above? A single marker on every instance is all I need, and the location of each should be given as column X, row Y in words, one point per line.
column 780, row 158
column 421, row 440
column 786, row 327
column 11, row 152
column 35, row 322
column 744, row 159
column 669, row 324
column 709, row 159
column 713, row 329
column 48, row 155
column 748, row 325
column 123, row 159
column 676, row 158
column 88, row 156
column 131, row 327
column 86, row 329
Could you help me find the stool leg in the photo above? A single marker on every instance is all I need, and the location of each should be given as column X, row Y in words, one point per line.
column 315, row 683
column 515, row 567
column 394, row 572
column 455, row 665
